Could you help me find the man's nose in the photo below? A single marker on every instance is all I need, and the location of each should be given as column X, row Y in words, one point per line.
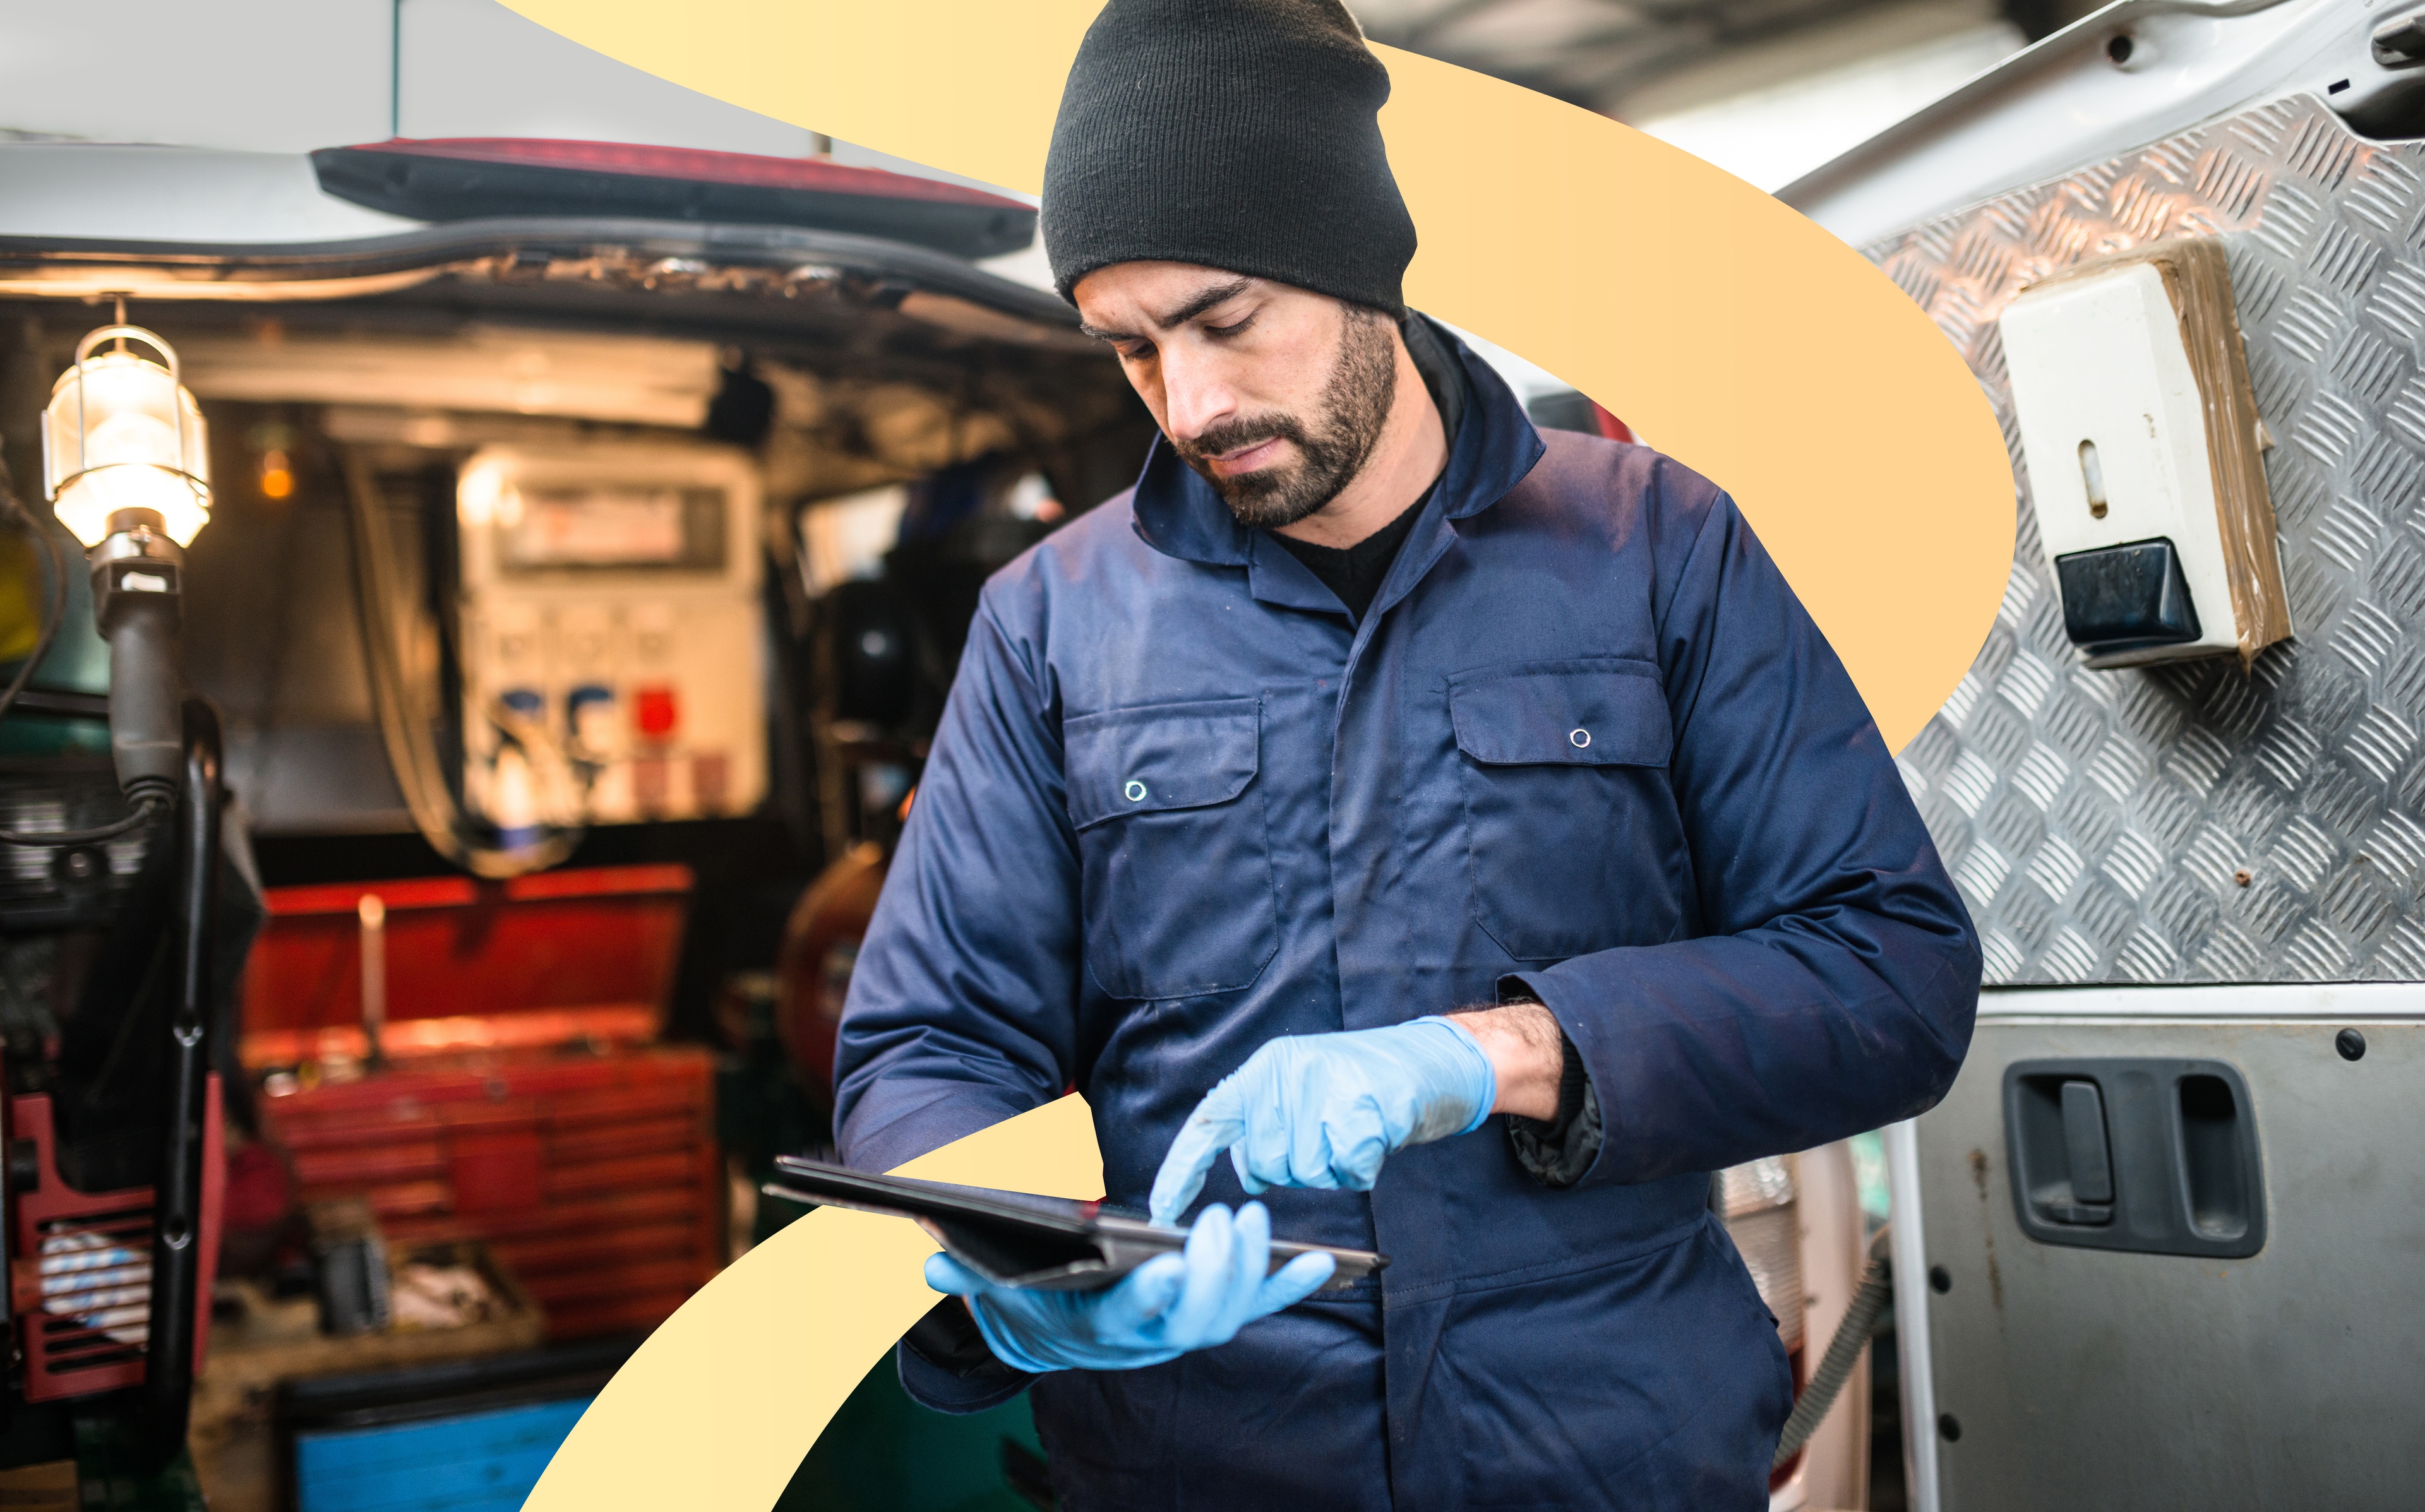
column 1196, row 397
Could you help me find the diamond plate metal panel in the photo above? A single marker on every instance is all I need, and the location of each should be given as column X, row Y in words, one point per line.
column 2193, row 822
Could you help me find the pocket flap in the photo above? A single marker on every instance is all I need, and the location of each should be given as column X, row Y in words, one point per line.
column 1162, row 757
column 1566, row 713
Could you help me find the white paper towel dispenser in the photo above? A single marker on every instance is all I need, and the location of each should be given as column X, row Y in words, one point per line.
column 2146, row 456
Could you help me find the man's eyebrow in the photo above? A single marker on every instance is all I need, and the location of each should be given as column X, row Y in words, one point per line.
column 1203, row 299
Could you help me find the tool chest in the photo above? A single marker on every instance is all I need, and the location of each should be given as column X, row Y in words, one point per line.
column 518, row 1094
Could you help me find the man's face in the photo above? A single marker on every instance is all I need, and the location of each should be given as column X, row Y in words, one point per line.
column 1273, row 394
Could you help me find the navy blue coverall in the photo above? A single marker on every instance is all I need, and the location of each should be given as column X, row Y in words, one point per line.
column 1585, row 747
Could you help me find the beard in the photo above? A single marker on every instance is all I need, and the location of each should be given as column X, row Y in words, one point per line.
column 1332, row 445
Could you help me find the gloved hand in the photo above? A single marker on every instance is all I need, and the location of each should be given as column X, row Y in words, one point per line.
column 1160, row 1311
column 1325, row 1109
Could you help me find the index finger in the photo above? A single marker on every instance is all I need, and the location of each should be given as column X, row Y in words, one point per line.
column 1218, row 1123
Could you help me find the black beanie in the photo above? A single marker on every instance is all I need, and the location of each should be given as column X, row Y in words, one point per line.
column 1237, row 133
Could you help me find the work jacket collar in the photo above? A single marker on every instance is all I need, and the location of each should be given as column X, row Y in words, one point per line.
column 1179, row 514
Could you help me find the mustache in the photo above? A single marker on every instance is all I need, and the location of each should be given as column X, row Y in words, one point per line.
column 1236, row 435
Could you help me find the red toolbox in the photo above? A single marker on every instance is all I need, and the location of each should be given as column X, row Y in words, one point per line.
column 522, row 1100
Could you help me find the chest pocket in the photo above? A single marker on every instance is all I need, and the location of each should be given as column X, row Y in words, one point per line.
column 1571, row 827
column 1176, row 861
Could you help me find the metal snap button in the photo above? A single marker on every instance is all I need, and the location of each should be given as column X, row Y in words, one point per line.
column 1581, row 737
column 1136, row 791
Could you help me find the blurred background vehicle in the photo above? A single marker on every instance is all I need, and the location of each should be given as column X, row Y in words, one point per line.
column 549, row 485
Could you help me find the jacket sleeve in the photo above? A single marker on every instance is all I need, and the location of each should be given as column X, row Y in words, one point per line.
column 963, row 1002
column 962, row 1005
column 1835, row 975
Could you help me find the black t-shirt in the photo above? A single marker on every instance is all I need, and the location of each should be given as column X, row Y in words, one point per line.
column 1354, row 573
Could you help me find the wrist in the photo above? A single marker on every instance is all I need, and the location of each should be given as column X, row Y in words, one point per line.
column 1001, row 1342
column 1526, row 1052
column 1479, row 1078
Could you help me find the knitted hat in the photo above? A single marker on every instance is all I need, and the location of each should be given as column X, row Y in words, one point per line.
column 1237, row 133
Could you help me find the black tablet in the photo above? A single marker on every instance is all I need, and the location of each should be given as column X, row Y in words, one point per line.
column 1019, row 1239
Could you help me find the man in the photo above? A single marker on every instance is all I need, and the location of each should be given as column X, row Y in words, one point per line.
column 1462, row 829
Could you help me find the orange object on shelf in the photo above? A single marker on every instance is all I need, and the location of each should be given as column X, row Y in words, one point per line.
column 523, row 1101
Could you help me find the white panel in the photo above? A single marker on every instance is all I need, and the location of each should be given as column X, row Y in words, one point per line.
column 2099, row 362
column 269, row 76
column 282, row 78
column 472, row 67
column 593, row 647
column 173, row 194
column 2065, row 101
column 2332, row 1001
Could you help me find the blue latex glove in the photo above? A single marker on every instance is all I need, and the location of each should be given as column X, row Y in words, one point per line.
column 1325, row 1109
column 1168, row 1306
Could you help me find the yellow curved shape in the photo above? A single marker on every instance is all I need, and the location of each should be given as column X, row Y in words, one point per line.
column 717, row 1409
column 1738, row 336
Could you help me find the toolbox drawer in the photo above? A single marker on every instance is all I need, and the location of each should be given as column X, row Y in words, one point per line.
column 622, row 1170
column 523, row 1104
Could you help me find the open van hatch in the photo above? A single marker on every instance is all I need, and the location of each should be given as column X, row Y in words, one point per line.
column 376, row 359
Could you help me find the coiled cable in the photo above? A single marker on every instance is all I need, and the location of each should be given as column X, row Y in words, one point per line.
column 1844, row 1351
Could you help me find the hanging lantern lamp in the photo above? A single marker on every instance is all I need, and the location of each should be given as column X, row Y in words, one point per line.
column 123, row 437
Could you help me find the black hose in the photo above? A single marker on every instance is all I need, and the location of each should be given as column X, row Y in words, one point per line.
column 177, row 1194
column 1843, row 1352
column 147, row 721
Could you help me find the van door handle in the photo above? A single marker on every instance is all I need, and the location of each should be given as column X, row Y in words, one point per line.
column 2091, row 1162
column 2152, row 1155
